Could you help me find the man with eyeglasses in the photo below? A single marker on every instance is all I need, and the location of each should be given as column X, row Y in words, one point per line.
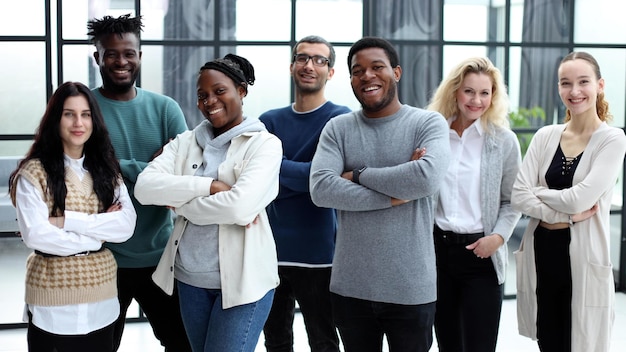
column 371, row 166
column 304, row 233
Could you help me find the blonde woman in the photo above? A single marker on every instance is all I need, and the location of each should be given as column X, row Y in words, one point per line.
column 474, row 219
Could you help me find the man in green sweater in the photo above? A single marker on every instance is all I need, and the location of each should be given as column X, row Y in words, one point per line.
column 140, row 123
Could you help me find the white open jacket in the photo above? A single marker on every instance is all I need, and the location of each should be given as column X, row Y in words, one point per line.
column 592, row 276
column 248, row 261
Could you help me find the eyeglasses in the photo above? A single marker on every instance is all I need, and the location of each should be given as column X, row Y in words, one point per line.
column 303, row 59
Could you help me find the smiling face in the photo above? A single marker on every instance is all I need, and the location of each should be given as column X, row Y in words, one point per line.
column 473, row 97
column 309, row 78
column 374, row 82
column 579, row 86
column 75, row 125
column 119, row 60
column 220, row 100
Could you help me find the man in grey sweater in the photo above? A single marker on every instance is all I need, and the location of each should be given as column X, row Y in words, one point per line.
column 380, row 167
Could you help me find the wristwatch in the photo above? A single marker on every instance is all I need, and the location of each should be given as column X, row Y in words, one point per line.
column 356, row 173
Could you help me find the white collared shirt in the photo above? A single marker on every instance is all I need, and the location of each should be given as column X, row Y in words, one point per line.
column 458, row 208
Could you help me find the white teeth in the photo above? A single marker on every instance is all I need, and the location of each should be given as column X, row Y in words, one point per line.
column 369, row 89
column 576, row 100
column 212, row 112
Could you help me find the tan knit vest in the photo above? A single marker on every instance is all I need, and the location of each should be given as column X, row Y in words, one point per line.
column 57, row 281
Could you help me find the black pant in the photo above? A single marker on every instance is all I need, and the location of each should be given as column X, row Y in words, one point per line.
column 161, row 310
column 309, row 286
column 43, row 341
column 554, row 289
column 469, row 300
column 362, row 325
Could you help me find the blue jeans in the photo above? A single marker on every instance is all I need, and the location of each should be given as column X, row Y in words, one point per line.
column 213, row 329
column 308, row 286
column 362, row 325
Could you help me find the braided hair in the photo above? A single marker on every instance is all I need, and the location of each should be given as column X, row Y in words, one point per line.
column 99, row 28
column 238, row 68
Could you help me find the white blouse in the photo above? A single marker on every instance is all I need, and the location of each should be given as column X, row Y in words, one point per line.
column 458, row 207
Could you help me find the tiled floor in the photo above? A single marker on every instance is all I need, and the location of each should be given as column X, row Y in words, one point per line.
column 139, row 337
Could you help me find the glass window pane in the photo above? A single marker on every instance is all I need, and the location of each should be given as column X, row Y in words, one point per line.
column 407, row 19
column 347, row 13
column 600, row 21
column 172, row 70
column 453, row 54
column 23, row 17
column 77, row 61
column 76, row 13
column 186, row 20
column 255, row 21
column 272, row 87
column 541, row 22
column 516, row 18
column 338, row 88
column 465, row 22
column 23, row 88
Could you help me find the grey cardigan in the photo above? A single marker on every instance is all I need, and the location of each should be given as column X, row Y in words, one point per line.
column 500, row 162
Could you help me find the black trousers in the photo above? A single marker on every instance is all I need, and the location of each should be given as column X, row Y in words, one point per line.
column 469, row 299
column 161, row 310
column 43, row 341
column 310, row 287
column 554, row 289
column 363, row 324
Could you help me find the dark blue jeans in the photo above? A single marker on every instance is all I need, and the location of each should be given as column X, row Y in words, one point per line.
column 213, row 329
column 469, row 300
column 308, row 286
column 362, row 325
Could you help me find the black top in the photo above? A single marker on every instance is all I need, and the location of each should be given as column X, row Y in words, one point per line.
column 560, row 174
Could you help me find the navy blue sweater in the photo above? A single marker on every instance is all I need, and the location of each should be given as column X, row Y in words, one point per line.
column 304, row 233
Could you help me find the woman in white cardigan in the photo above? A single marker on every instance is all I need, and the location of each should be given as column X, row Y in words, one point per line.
column 565, row 287
column 218, row 178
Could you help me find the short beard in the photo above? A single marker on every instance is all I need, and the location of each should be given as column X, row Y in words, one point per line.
column 387, row 99
column 109, row 85
column 309, row 89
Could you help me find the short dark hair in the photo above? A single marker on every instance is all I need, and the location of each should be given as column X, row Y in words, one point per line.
column 99, row 28
column 374, row 42
column 316, row 39
column 238, row 68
